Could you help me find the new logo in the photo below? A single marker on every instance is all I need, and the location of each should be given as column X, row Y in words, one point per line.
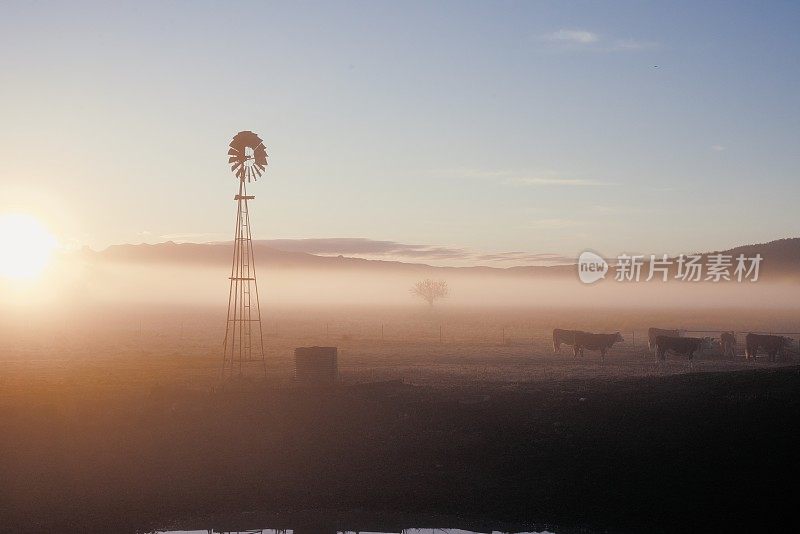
column 591, row 267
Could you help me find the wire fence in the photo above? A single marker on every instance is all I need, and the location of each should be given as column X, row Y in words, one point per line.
column 459, row 333
column 531, row 335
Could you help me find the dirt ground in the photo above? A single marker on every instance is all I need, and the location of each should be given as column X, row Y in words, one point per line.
column 116, row 422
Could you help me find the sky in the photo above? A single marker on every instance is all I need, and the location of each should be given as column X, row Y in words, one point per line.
column 498, row 127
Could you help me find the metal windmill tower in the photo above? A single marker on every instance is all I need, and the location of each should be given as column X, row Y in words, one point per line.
column 244, row 339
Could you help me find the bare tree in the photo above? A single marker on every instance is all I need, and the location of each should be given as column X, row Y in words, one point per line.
column 430, row 290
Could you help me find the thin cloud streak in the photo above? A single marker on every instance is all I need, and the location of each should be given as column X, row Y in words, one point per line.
column 552, row 224
column 527, row 257
column 393, row 250
column 572, row 36
column 363, row 246
column 560, row 182
column 579, row 39
column 631, row 44
column 538, row 178
column 192, row 237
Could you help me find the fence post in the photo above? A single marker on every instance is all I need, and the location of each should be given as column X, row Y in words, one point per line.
column 440, row 334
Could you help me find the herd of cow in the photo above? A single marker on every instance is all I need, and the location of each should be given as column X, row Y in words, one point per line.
column 661, row 341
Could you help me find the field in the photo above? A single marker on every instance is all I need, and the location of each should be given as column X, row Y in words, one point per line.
column 134, row 346
column 113, row 419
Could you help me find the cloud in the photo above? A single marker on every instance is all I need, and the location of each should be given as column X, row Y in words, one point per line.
column 584, row 39
column 599, row 208
column 666, row 189
column 631, row 44
column 526, row 257
column 718, row 148
column 544, row 178
column 540, row 180
column 192, row 237
column 552, row 224
column 393, row 250
column 481, row 174
column 363, row 246
column 572, row 36
column 617, row 209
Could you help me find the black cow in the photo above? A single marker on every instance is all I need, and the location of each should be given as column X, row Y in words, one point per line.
column 652, row 333
column 685, row 346
column 566, row 337
column 601, row 342
column 727, row 343
column 772, row 345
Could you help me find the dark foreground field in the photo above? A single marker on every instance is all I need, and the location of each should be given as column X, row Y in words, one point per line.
column 719, row 450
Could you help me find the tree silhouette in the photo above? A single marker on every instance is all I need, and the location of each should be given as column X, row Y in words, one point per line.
column 430, row 290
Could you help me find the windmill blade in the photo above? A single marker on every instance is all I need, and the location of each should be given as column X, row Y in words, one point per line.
column 238, row 159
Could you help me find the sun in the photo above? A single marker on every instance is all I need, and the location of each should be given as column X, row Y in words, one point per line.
column 26, row 246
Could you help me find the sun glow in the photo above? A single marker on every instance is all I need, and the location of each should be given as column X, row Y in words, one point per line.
column 26, row 246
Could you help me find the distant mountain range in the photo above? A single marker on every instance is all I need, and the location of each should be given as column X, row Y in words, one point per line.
column 781, row 259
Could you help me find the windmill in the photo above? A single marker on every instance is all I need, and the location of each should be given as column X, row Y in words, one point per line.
column 244, row 339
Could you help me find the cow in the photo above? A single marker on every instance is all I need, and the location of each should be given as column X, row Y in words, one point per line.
column 601, row 342
column 685, row 346
column 567, row 337
column 772, row 345
column 727, row 343
column 652, row 333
